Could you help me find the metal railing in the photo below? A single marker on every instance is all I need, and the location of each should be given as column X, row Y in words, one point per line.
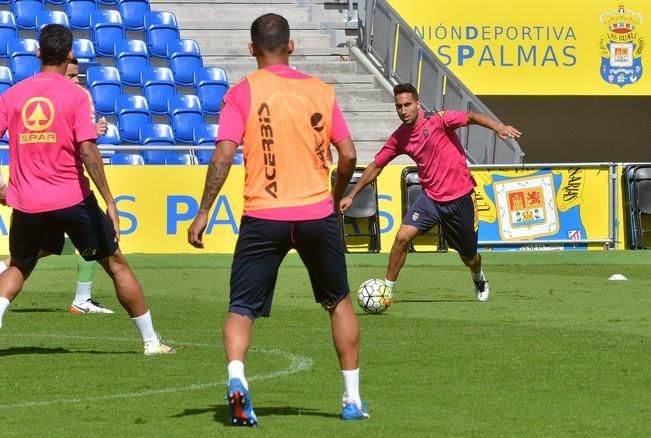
column 401, row 56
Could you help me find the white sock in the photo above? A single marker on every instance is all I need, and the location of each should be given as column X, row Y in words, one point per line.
column 4, row 304
column 236, row 371
column 146, row 328
column 478, row 276
column 3, row 266
column 351, row 386
column 390, row 283
column 83, row 292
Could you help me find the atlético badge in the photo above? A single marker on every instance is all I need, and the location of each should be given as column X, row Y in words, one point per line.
column 621, row 47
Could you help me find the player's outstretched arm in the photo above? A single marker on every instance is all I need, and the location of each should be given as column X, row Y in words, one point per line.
column 218, row 169
column 345, row 167
column 94, row 165
column 503, row 131
column 371, row 172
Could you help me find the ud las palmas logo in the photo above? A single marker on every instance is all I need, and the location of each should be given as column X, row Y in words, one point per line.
column 621, row 47
column 38, row 116
column 526, row 207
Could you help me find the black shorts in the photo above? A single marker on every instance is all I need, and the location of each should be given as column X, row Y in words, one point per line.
column 262, row 246
column 89, row 229
column 458, row 220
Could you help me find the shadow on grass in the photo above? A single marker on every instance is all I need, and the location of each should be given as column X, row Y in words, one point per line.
column 37, row 310
column 222, row 415
column 441, row 300
column 19, row 351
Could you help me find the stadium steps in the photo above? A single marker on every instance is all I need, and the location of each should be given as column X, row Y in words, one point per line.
column 322, row 36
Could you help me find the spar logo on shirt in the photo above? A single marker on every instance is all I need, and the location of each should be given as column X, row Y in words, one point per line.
column 38, row 116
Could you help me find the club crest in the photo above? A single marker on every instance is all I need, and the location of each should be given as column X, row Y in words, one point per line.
column 621, row 47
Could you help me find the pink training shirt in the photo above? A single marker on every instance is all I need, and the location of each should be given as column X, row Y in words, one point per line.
column 47, row 116
column 436, row 149
column 232, row 122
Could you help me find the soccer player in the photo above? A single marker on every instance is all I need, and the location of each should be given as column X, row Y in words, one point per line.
column 448, row 195
column 51, row 139
column 54, row 242
column 287, row 120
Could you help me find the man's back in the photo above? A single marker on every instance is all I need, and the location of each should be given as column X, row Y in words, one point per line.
column 47, row 117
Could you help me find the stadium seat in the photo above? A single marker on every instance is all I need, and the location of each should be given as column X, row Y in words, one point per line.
column 4, row 153
column 161, row 28
column 112, row 136
column 131, row 58
column 83, row 49
column 55, row 2
column 8, row 31
column 156, row 135
column 133, row 13
column 184, row 58
column 641, row 199
column 204, row 135
column 132, row 112
column 183, row 159
column 105, row 28
column 107, row 2
column 6, row 80
column 411, row 190
column 44, row 18
column 79, row 12
column 104, row 85
column 25, row 12
column 157, row 86
column 361, row 222
column 23, row 62
column 127, row 159
column 185, row 114
column 211, row 83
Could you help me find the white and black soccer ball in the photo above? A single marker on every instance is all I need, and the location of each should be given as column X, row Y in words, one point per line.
column 374, row 296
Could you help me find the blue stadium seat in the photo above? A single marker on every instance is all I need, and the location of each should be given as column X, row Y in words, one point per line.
column 157, row 86
column 105, row 28
column 6, row 80
column 25, row 12
column 156, row 135
column 132, row 112
column 185, row 114
column 105, row 86
column 131, row 58
column 79, row 12
column 127, row 159
column 204, row 135
column 55, row 2
column 183, row 159
column 133, row 13
column 44, row 18
column 8, row 31
column 112, row 136
column 23, row 62
column 107, row 2
column 83, row 49
column 4, row 153
column 161, row 28
column 211, row 83
column 184, row 58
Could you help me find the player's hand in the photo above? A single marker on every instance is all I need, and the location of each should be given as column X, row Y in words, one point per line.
column 3, row 195
column 101, row 126
column 112, row 213
column 345, row 203
column 508, row 131
column 195, row 232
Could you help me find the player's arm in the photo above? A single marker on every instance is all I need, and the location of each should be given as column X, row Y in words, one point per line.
column 345, row 168
column 3, row 128
column 94, row 165
column 503, row 131
column 371, row 172
column 220, row 166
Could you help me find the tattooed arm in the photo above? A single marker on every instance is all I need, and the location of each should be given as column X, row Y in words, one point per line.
column 218, row 169
column 95, row 168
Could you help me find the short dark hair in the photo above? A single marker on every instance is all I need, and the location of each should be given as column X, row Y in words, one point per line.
column 74, row 61
column 405, row 88
column 270, row 32
column 55, row 43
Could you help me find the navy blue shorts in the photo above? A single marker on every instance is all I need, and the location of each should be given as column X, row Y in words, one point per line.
column 458, row 220
column 261, row 247
column 89, row 229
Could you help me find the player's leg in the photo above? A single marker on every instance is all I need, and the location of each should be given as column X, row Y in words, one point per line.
column 83, row 301
column 459, row 222
column 260, row 249
column 321, row 249
column 94, row 237
column 25, row 236
column 420, row 218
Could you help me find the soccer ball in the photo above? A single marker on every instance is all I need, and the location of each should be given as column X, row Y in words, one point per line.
column 374, row 296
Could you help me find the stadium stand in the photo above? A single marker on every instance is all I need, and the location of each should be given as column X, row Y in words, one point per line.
column 25, row 12
column 44, row 18
column 131, row 58
column 84, row 50
column 8, row 30
column 6, row 80
column 161, row 29
column 184, row 59
column 105, row 28
column 132, row 112
column 157, row 135
column 105, row 86
column 79, row 12
column 112, row 136
column 211, row 83
column 127, row 159
column 185, row 115
column 157, row 85
column 133, row 13
column 23, row 62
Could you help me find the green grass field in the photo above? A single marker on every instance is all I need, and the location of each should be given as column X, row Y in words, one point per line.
column 557, row 351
